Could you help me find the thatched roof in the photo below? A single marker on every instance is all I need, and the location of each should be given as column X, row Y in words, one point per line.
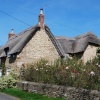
column 17, row 42
column 77, row 44
column 66, row 44
column 83, row 40
column 63, row 45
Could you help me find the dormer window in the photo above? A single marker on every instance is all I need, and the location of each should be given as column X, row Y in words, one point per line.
column 6, row 51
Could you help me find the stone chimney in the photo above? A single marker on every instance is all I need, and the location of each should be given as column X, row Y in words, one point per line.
column 11, row 34
column 41, row 19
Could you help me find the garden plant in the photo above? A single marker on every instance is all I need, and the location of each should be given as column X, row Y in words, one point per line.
column 68, row 72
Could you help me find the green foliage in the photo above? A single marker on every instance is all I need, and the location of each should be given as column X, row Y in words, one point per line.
column 27, row 96
column 68, row 72
column 98, row 49
column 8, row 81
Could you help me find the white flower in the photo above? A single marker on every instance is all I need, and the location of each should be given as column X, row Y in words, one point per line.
column 37, row 69
column 92, row 73
column 84, row 70
column 47, row 64
column 99, row 66
column 67, row 68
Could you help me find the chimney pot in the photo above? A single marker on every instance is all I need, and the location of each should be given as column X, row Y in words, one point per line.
column 41, row 11
column 12, row 31
column 11, row 34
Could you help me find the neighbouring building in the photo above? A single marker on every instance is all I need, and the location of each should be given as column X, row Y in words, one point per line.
column 38, row 42
column 83, row 47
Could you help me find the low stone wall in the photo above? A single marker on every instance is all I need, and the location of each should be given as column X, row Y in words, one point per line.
column 68, row 93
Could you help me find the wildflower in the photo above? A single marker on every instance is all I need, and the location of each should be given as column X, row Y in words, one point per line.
column 99, row 66
column 37, row 69
column 70, row 57
column 92, row 73
column 47, row 64
column 67, row 68
column 84, row 70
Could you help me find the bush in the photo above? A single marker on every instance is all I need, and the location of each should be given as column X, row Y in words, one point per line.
column 8, row 81
column 68, row 72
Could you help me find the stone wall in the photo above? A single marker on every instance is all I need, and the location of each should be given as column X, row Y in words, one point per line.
column 89, row 53
column 68, row 93
column 40, row 46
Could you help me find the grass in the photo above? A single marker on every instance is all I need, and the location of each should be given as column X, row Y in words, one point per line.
column 22, row 95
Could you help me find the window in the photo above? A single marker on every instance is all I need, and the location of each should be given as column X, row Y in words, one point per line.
column 7, row 51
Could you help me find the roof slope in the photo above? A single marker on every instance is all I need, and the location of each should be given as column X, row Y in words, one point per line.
column 77, row 44
column 66, row 44
column 17, row 42
column 63, row 45
column 83, row 40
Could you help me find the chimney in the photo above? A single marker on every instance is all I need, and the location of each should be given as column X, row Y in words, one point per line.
column 41, row 19
column 11, row 34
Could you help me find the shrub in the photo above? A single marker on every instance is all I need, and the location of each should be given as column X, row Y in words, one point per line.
column 8, row 81
column 68, row 72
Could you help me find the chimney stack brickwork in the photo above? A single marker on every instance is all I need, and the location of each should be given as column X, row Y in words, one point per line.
column 41, row 24
column 11, row 34
column 41, row 19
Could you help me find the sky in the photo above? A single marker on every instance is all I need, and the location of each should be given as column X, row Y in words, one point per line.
column 68, row 18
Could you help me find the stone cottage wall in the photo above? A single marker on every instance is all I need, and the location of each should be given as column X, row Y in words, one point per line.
column 40, row 46
column 69, row 93
column 89, row 53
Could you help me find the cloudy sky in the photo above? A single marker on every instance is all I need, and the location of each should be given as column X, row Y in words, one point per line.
column 64, row 17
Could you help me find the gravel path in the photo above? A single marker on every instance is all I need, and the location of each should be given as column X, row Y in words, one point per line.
column 7, row 97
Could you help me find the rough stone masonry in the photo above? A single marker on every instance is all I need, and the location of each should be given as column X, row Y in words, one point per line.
column 68, row 93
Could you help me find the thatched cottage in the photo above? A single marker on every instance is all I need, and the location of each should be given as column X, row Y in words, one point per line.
column 83, row 47
column 38, row 42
